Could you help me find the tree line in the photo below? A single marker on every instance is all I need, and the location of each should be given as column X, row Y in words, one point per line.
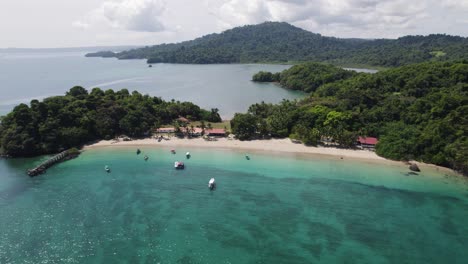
column 62, row 122
column 282, row 42
column 417, row 111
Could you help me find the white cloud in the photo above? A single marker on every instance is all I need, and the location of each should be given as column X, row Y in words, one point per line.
column 80, row 24
column 328, row 16
column 132, row 15
column 463, row 4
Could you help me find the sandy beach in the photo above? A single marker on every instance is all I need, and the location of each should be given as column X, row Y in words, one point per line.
column 272, row 146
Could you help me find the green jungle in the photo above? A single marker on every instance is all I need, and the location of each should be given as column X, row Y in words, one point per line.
column 418, row 111
column 79, row 117
column 275, row 42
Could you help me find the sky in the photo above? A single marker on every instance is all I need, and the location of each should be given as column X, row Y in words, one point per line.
column 79, row 23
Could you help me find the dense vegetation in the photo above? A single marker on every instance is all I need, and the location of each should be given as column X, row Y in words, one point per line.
column 61, row 122
column 282, row 42
column 305, row 77
column 417, row 111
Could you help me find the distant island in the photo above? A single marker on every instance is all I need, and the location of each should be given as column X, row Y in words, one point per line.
column 279, row 42
column 62, row 122
column 417, row 111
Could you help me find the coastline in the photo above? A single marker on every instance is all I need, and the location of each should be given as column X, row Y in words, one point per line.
column 272, row 146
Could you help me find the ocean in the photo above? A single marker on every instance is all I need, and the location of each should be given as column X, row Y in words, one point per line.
column 273, row 208
column 38, row 74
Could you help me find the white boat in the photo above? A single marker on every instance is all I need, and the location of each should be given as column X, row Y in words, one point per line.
column 187, row 155
column 212, row 184
column 106, row 168
column 179, row 165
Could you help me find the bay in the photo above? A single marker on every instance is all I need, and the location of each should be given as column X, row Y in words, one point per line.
column 35, row 75
column 273, row 208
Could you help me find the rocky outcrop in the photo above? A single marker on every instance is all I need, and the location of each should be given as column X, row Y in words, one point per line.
column 414, row 167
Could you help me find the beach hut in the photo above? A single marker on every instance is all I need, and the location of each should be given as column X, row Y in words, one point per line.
column 367, row 142
column 215, row 132
column 197, row 132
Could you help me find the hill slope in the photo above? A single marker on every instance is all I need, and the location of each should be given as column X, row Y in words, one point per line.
column 417, row 111
column 282, row 42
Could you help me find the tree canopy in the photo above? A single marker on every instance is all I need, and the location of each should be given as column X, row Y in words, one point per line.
column 417, row 111
column 282, row 42
column 62, row 122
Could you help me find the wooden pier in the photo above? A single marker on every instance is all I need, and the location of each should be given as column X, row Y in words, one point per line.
column 62, row 156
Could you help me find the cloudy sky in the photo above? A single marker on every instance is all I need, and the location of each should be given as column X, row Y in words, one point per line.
column 67, row 23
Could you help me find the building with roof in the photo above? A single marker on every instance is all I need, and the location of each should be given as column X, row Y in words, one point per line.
column 215, row 132
column 367, row 142
column 196, row 132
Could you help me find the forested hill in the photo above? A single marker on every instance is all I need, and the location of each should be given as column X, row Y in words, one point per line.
column 417, row 111
column 62, row 122
column 282, row 42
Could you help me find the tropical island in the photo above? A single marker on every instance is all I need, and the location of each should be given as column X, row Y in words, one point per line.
column 280, row 42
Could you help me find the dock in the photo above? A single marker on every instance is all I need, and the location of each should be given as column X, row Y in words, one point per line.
column 62, row 156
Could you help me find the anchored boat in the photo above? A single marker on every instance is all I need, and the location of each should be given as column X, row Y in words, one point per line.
column 179, row 165
column 212, row 184
column 106, row 168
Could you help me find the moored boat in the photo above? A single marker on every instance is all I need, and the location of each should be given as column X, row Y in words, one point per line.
column 106, row 168
column 212, row 184
column 146, row 158
column 187, row 155
column 179, row 165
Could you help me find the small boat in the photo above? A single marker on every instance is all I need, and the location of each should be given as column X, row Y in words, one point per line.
column 149, row 66
column 138, row 151
column 187, row 155
column 247, row 157
column 212, row 184
column 106, row 168
column 173, row 151
column 179, row 165
column 146, row 158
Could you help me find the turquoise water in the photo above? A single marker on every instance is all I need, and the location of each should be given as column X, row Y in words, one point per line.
column 227, row 87
column 274, row 208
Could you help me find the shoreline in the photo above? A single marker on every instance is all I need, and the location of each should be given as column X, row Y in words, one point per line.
column 271, row 146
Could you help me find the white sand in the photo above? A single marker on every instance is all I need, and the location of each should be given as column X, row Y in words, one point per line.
column 271, row 145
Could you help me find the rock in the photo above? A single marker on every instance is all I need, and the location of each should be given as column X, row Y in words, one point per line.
column 414, row 167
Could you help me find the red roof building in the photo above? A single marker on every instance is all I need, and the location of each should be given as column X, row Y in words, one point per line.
column 217, row 132
column 368, row 141
column 196, row 131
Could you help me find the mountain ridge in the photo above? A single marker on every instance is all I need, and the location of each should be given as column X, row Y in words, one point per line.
column 274, row 42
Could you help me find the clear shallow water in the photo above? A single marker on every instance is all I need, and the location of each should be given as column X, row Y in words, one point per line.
column 271, row 209
column 34, row 75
